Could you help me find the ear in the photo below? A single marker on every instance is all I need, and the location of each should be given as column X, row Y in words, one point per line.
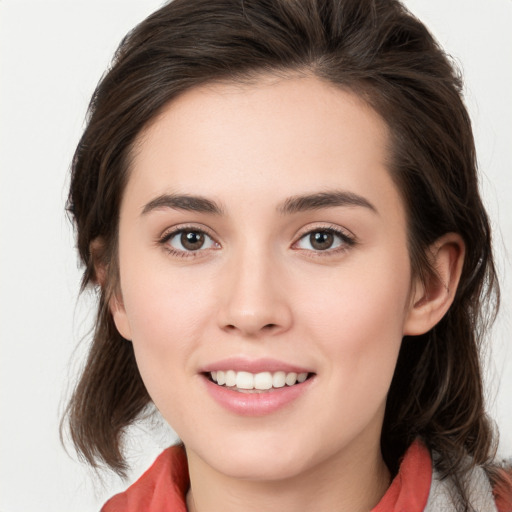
column 111, row 290
column 431, row 300
column 97, row 252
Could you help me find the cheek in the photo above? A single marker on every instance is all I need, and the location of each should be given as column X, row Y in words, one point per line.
column 359, row 316
column 365, row 293
column 167, row 316
column 163, row 304
column 165, row 329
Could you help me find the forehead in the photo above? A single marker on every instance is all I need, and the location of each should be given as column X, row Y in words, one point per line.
column 290, row 107
column 272, row 136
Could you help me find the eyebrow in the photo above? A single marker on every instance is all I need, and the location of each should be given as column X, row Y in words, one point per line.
column 321, row 200
column 183, row 202
column 294, row 204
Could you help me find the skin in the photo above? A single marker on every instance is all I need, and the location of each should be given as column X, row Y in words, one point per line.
column 258, row 288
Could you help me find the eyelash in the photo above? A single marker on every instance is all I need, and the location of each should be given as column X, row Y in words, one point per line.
column 169, row 235
column 346, row 241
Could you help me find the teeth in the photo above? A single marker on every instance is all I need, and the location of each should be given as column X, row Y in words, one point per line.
column 291, row 379
column 231, row 378
column 301, row 377
column 260, row 381
column 278, row 379
column 244, row 380
column 263, row 380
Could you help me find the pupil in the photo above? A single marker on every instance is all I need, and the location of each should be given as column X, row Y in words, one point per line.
column 192, row 240
column 321, row 240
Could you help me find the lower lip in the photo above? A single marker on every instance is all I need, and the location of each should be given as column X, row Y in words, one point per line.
column 256, row 404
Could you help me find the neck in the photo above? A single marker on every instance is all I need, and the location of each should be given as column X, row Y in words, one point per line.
column 346, row 482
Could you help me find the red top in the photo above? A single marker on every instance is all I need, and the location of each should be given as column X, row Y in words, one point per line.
column 163, row 487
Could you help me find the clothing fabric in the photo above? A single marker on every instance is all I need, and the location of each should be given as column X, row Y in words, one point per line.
column 443, row 496
column 416, row 487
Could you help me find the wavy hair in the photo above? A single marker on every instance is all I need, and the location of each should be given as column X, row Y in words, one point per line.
column 382, row 53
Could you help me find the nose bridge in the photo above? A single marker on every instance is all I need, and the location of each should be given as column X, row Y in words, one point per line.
column 253, row 300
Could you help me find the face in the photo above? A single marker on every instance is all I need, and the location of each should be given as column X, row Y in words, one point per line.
column 263, row 242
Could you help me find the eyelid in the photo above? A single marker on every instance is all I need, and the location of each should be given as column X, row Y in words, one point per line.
column 170, row 232
column 325, row 226
column 347, row 237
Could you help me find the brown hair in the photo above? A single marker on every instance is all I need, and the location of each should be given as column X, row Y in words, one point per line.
column 374, row 48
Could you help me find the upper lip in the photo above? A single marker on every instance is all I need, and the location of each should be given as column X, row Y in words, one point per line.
column 240, row 364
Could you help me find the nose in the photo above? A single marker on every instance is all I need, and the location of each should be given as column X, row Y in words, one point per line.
column 254, row 299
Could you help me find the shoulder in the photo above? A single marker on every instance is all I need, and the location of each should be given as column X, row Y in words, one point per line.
column 418, row 487
column 502, row 490
column 162, row 487
column 485, row 492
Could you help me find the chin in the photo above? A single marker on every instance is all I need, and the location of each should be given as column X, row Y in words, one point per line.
column 260, row 458
column 270, row 467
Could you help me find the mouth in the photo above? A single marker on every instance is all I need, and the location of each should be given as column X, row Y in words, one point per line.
column 262, row 382
column 256, row 387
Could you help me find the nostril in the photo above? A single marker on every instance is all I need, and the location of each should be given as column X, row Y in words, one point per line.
column 267, row 327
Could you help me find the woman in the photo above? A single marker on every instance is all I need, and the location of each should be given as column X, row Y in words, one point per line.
column 278, row 202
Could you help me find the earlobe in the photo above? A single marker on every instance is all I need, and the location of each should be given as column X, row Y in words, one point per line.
column 432, row 299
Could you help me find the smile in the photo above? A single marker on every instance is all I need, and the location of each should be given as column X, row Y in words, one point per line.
column 245, row 381
column 256, row 387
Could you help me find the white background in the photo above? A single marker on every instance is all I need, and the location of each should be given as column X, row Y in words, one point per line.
column 52, row 55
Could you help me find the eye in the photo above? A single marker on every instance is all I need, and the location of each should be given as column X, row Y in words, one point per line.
column 324, row 240
column 189, row 240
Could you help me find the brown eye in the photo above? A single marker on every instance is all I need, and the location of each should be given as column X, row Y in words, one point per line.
column 192, row 240
column 189, row 240
column 327, row 240
column 321, row 240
